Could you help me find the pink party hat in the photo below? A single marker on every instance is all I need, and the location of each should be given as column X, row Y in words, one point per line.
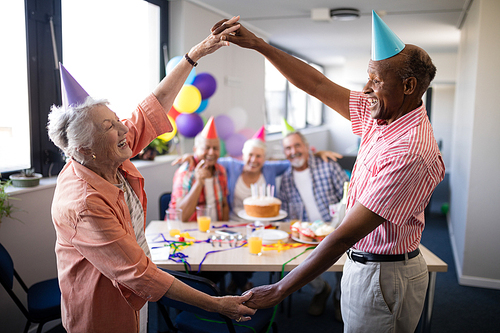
column 72, row 92
column 261, row 134
column 209, row 131
column 385, row 43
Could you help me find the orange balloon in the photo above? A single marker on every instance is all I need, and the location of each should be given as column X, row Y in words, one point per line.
column 173, row 113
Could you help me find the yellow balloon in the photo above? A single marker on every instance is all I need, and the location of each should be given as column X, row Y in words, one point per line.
column 188, row 99
column 168, row 136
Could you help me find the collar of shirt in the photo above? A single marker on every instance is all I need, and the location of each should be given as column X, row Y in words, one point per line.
column 401, row 125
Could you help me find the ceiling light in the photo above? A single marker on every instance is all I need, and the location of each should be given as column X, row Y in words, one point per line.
column 341, row 14
column 344, row 14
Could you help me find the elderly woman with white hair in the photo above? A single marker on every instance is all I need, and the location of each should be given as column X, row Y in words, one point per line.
column 105, row 272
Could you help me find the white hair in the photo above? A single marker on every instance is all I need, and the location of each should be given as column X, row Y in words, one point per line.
column 72, row 129
column 253, row 143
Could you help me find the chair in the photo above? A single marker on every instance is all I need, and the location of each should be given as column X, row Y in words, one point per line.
column 164, row 202
column 44, row 298
column 193, row 319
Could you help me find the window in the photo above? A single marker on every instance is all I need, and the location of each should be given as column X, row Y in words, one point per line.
column 113, row 50
column 14, row 114
column 283, row 99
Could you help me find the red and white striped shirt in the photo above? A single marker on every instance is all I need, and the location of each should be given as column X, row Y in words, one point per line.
column 397, row 169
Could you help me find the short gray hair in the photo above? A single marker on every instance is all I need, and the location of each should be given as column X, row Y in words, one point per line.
column 302, row 137
column 72, row 129
column 253, row 143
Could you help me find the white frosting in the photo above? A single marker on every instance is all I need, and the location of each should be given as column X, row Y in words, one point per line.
column 324, row 230
column 261, row 201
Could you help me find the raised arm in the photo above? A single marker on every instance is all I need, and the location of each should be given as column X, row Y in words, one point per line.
column 299, row 73
column 169, row 87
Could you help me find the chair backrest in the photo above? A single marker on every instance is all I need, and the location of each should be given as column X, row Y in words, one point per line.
column 164, row 202
column 197, row 282
column 6, row 268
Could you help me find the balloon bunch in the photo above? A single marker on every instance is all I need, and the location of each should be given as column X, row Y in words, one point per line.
column 192, row 100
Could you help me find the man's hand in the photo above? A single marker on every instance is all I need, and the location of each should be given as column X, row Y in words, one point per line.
column 201, row 172
column 264, row 297
column 235, row 307
column 326, row 154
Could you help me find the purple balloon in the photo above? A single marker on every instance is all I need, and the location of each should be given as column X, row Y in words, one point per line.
column 206, row 84
column 224, row 125
column 189, row 124
column 234, row 144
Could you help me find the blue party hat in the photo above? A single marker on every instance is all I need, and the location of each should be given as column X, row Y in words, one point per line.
column 385, row 43
column 72, row 92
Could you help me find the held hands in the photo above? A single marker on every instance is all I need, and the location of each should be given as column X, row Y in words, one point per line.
column 214, row 41
column 263, row 297
column 241, row 36
column 234, row 307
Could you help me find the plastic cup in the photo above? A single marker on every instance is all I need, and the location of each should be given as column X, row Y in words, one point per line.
column 173, row 215
column 254, row 238
column 203, row 218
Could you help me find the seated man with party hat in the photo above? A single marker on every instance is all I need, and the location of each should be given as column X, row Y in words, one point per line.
column 204, row 182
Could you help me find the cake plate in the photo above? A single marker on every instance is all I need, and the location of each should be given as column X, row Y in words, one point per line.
column 272, row 236
column 281, row 215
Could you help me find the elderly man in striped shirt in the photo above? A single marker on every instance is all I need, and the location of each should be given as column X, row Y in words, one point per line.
column 398, row 167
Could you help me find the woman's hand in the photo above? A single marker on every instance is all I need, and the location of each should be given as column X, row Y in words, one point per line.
column 235, row 308
column 183, row 159
column 326, row 154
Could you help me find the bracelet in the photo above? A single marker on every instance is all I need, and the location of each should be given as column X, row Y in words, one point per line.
column 191, row 62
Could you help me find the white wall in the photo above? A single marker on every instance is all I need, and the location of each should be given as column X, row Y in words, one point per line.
column 475, row 184
column 239, row 72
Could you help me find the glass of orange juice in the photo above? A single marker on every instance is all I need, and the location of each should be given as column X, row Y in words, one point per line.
column 203, row 216
column 254, row 238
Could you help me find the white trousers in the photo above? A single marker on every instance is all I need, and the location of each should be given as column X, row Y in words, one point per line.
column 385, row 297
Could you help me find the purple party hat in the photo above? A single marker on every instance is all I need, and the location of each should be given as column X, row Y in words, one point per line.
column 72, row 92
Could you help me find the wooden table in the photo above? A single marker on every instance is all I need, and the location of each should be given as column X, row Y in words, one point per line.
column 239, row 259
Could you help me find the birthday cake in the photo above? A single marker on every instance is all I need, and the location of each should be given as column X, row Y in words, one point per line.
column 262, row 206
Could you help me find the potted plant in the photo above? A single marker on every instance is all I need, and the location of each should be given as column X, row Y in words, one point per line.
column 6, row 208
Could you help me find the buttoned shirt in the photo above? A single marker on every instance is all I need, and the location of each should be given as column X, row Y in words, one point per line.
column 184, row 180
column 104, row 275
column 328, row 186
column 398, row 167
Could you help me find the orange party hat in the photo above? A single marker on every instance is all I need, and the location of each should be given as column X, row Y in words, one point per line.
column 209, row 131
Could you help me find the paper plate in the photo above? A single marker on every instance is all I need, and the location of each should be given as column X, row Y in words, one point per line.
column 272, row 236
